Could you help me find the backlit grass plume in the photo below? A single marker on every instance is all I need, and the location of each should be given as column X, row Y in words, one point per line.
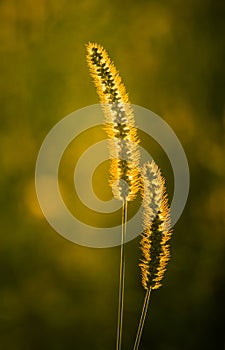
column 123, row 143
column 120, row 126
column 154, row 241
column 156, row 221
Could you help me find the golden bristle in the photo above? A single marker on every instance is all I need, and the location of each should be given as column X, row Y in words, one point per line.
column 119, row 126
column 154, row 242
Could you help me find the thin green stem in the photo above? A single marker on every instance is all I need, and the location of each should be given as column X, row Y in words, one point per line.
column 122, row 278
column 142, row 319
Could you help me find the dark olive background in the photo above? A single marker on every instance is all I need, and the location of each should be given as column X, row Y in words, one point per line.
column 55, row 294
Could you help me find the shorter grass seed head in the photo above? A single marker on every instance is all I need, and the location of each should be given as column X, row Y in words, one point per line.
column 156, row 220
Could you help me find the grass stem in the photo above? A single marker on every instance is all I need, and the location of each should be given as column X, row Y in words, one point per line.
column 142, row 319
column 122, row 278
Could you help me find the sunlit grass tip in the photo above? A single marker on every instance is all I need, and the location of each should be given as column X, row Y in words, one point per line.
column 119, row 123
column 156, row 223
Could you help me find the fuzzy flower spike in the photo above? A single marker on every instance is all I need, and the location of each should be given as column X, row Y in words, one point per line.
column 156, row 221
column 119, row 126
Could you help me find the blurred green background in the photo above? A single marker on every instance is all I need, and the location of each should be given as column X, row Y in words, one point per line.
column 55, row 294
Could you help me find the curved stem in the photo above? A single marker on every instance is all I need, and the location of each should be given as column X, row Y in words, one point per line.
column 122, row 278
column 142, row 319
